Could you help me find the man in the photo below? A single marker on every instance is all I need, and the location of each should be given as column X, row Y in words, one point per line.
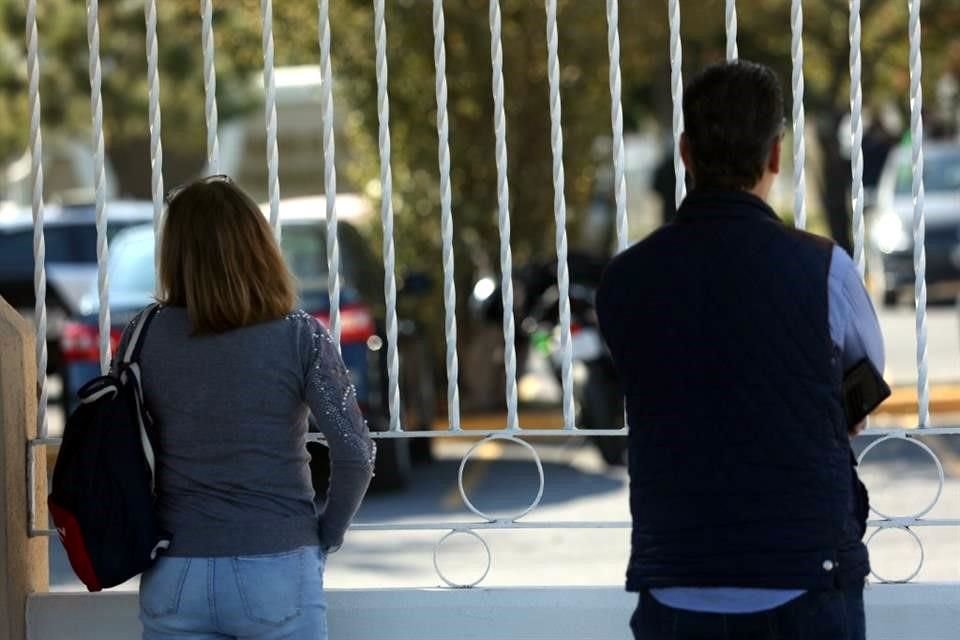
column 731, row 332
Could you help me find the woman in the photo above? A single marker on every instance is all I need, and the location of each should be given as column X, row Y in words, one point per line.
column 231, row 373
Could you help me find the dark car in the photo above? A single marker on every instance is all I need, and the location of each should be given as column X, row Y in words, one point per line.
column 70, row 237
column 891, row 231
column 363, row 342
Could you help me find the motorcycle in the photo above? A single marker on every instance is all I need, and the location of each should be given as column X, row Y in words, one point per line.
column 598, row 401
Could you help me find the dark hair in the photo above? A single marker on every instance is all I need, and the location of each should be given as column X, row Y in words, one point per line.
column 220, row 259
column 733, row 113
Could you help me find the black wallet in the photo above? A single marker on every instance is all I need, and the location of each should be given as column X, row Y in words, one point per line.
column 863, row 391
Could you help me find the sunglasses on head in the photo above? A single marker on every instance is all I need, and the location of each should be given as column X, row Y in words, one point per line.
column 174, row 192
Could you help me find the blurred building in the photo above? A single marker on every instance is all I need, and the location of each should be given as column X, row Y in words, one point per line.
column 68, row 174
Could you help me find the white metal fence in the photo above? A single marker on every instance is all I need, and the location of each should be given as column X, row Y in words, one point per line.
column 512, row 430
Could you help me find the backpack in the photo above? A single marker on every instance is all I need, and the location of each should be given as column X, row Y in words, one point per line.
column 102, row 498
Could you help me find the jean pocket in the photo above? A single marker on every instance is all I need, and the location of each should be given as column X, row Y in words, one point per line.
column 162, row 585
column 271, row 586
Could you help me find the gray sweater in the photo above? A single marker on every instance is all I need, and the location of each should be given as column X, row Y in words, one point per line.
column 231, row 412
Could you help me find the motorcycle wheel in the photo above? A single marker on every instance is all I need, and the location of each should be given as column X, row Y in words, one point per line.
column 602, row 408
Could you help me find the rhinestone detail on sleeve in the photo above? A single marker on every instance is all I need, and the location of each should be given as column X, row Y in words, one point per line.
column 332, row 398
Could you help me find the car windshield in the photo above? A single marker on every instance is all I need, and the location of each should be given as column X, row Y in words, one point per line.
column 131, row 265
column 941, row 172
column 304, row 248
column 65, row 243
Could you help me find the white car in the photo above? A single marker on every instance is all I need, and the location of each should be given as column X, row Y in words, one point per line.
column 891, row 231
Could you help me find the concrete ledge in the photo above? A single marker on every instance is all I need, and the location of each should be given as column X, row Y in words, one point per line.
column 894, row 612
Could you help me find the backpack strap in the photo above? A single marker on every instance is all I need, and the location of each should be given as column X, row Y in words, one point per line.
column 132, row 354
column 130, row 364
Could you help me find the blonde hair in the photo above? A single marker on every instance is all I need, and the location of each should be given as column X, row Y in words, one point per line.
column 220, row 259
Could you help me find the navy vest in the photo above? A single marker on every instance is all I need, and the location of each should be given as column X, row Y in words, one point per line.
column 741, row 472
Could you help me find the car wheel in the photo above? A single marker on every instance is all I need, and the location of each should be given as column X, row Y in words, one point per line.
column 602, row 408
column 64, row 399
column 613, row 449
column 890, row 299
column 392, row 471
column 394, row 466
column 421, row 450
column 420, row 397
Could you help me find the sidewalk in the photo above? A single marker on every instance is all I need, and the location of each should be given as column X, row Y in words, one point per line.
column 944, row 399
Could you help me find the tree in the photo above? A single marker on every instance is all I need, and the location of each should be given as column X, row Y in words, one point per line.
column 764, row 35
column 885, row 57
column 65, row 84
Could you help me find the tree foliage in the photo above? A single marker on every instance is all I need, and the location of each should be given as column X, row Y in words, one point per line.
column 764, row 35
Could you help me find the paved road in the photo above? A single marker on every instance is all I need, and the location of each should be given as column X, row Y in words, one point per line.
column 900, row 477
column 501, row 479
column 943, row 344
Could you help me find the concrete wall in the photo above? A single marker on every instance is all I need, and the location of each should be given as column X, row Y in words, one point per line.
column 894, row 612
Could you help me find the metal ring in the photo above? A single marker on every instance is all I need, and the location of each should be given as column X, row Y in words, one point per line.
column 436, row 564
column 463, row 463
column 912, row 439
column 916, row 571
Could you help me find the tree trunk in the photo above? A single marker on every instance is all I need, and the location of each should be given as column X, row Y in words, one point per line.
column 835, row 194
column 130, row 160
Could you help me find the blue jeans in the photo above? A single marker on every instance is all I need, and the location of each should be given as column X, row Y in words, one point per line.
column 262, row 597
column 816, row 615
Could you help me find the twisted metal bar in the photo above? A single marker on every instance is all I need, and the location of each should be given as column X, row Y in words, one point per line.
column 856, row 134
column 210, row 87
column 329, row 168
column 731, row 26
column 446, row 218
column 919, row 221
column 616, row 118
column 156, row 145
column 386, row 214
column 799, row 121
column 503, row 216
column 39, row 244
column 100, row 181
column 270, row 115
column 560, row 215
column 676, row 92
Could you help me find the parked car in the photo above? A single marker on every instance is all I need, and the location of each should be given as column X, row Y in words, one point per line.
column 363, row 338
column 70, row 237
column 891, row 230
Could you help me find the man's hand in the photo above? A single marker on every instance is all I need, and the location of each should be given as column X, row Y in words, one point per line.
column 858, row 428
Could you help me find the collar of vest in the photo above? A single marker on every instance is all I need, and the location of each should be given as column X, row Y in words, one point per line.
column 717, row 203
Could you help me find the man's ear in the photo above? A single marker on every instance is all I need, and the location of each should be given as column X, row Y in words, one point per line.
column 773, row 162
column 685, row 152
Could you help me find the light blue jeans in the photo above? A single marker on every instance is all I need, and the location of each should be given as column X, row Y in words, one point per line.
column 262, row 597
